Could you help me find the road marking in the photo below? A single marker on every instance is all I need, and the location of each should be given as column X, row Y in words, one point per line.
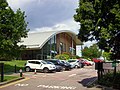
column 14, row 83
column 71, row 75
column 57, row 87
column 21, row 85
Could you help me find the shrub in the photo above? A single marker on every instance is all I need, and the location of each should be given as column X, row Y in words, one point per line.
column 63, row 56
column 110, row 81
column 107, row 80
column 75, row 57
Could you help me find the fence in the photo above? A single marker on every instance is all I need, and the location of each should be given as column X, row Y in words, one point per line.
column 8, row 70
column 109, row 67
column 106, row 67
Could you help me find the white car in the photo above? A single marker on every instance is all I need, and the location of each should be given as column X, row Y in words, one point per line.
column 39, row 65
column 75, row 63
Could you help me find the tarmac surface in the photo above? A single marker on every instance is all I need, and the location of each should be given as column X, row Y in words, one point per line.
column 76, row 79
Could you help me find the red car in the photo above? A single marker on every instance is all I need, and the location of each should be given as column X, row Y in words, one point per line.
column 97, row 60
column 87, row 62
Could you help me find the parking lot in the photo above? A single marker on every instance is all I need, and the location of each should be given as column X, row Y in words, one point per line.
column 75, row 79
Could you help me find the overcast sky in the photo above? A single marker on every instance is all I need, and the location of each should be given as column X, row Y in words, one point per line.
column 48, row 14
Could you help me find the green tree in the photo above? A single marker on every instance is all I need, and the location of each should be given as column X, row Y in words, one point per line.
column 100, row 21
column 12, row 28
column 107, row 55
column 91, row 52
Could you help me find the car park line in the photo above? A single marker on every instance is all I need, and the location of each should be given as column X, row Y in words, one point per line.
column 72, row 75
column 57, row 87
column 21, row 85
column 14, row 83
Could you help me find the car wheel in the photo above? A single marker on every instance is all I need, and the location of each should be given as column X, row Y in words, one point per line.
column 27, row 69
column 63, row 69
column 76, row 66
column 45, row 70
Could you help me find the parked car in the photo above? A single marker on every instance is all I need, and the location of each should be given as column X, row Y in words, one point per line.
column 58, row 62
column 39, row 65
column 67, row 64
column 87, row 62
column 97, row 60
column 75, row 63
column 58, row 67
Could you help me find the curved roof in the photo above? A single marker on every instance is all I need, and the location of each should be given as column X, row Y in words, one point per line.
column 38, row 40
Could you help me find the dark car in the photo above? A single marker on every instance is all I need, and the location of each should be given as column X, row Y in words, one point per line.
column 56, row 63
column 67, row 64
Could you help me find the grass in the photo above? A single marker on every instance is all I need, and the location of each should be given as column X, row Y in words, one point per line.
column 8, row 78
column 9, row 66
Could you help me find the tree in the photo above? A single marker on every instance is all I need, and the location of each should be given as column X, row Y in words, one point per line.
column 100, row 21
column 91, row 52
column 12, row 28
column 107, row 55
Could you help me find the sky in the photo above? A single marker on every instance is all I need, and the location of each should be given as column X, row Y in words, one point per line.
column 47, row 15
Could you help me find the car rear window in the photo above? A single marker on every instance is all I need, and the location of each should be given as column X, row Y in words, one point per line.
column 34, row 62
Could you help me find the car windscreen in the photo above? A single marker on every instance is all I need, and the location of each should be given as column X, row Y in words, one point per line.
column 53, row 61
column 48, row 62
column 44, row 62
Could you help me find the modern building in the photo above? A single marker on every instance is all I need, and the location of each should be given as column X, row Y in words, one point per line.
column 43, row 45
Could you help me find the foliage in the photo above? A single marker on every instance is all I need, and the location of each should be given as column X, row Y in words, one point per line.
column 100, row 21
column 91, row 52
column 62, row 57
column 108, row 80
column 66, row 56
column 107, row 55
column 67, row 53
column 12, row 28
column 75, row 57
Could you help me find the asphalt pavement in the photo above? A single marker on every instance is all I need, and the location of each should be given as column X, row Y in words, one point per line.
column 76, row 79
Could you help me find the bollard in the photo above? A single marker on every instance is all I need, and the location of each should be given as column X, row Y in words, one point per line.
column 2, row 71
column 20, row 72
column 15, row 69
column 35, row 71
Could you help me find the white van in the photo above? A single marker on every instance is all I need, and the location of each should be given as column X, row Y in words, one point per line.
column 39, row 65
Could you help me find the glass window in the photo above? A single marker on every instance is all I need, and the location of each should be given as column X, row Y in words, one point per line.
column 44, row 62
column 33, row 62
column 37, row 62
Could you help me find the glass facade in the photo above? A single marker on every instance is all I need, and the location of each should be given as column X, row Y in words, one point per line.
column 48, row 51
column 57, row 44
